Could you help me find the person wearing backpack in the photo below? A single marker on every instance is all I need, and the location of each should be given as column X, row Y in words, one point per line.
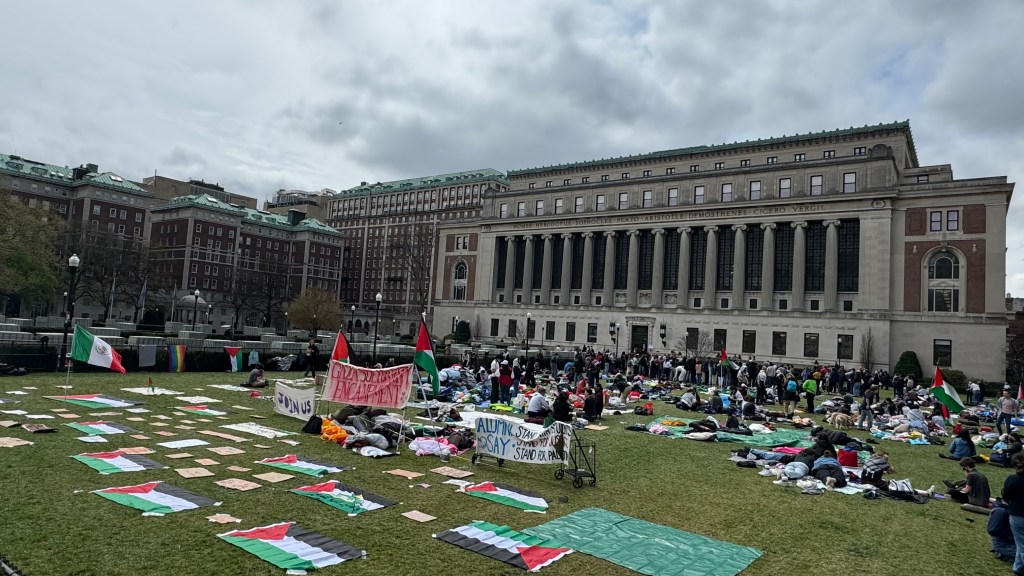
column 791, row 396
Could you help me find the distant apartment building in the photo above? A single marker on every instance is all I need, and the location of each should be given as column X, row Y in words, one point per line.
column 165, row 189
column 313, row 204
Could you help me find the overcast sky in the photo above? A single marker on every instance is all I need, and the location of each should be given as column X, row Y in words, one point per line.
column 264, row 95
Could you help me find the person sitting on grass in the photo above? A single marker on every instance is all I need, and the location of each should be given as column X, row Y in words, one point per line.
column 256, row 378
column 974, row 490
column 689, row 400
column 1007, row 447
column 874, row 468
column 961, row 447
column 539, row 406
column 593, row 405
column 714, row 403
column 1003, row 546
column 561, row 411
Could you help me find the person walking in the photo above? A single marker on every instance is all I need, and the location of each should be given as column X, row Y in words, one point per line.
column 1013, row 495
column 311, row 352
column 1006, row 410
column 864, row 413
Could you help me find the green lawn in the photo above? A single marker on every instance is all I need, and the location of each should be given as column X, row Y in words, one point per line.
column 51, row 525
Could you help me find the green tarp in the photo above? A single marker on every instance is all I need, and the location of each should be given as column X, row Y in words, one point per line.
column 673, row 431
column 645, row 547
column 781, row 437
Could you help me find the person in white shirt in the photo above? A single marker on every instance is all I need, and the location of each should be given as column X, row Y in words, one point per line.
column 539, row 406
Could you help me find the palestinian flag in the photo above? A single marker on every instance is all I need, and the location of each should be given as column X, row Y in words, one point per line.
column 203, row 410
column 117, row 461
column 424, row 357
column 508, row 495
column 94, row 400
column 506, row 545
column 291, row 547
column 945, row 393
column 235, row 356
column 155, row 498
column 294, row 463
column 348, row 499
column 92, row 350
column 340, row 352
column 102, row 427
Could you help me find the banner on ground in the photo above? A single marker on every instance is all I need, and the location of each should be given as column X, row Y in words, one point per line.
column 383, row 387
column 512, row 439
column 294, row 402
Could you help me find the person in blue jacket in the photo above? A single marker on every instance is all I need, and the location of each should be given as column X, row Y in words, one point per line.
column 962, row 447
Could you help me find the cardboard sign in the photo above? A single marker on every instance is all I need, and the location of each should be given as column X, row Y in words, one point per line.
column 512, row 439
column 294, row 402
column 383, row 388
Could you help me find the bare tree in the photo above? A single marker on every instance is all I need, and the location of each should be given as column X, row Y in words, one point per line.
column 867, row 351
column 315, row 309
column 267, row 285
column 106, row 260
column 410, row 251
column 700, row 346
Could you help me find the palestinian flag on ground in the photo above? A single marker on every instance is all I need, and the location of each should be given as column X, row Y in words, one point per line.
column 348, row 499
column 340, row 352
column 117, row 461
column 506, row 545
column 945, row 393
column 291, row 547
column 294, row 463
column 424, row 358
column 102, row 427
column 155, row 498
column 203, row 410
column 508, row 495
column 92, row 350
column 235, row 356
column 94, row 400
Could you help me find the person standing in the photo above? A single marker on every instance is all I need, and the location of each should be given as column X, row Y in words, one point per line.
column 811, row 390
column 311, row 352
column 1006, row 410
column 504, row 383
column 1013, row 495
column 864, row 412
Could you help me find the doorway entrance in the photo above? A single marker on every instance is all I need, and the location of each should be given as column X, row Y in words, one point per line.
column 638, row 335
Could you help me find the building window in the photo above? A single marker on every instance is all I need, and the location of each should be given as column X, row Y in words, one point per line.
column 726, row 192
column 810, row 345
column 199, row 227
column 538, row 208
column 860, row 151
column 944, row 283
column 194, row 268
column 799, row 157
column 816, row 185
column 828, row 154
column 849, row 256
column 814, row 278
column 123, row 215
column 849, row 182
column 96, row 210
column 673, row 196
column 585, row 180
column 785, row 187
column 719, row 338
column 698, row 194
column 923, row 178
column 844, row 347
column 531, row 186
column 604, row 178
column 520, row 209
column 549, row 329
column 570, row 331
column 547, row 184
column 778, row 343
column 592, row 333
column 191, row 281
column 648, row 199
column 578, row 204
column 512, row 329
column 695, row 168
column 772, row 160
column 719, row 165
column 599, row 203
column 744, row 163
column 495, row 323
column 670, row 171
column 503, row 210
column 647, row 173
column 462, row 242
column 566, row 181
column 459, row 281
column 952, row 220
column 625, row 175
column 942, row 353
column 749, row 345
column 623, row 200
column 935, row 221
column 559, row 206
column 755, row 189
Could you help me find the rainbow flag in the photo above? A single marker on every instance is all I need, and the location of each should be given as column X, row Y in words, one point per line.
column 176, row 358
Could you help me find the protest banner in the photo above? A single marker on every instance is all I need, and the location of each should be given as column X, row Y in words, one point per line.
column 511, row 439
column 294, row 402
column 382, row 387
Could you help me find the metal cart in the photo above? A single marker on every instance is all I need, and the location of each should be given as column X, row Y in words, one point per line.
column 582, row 462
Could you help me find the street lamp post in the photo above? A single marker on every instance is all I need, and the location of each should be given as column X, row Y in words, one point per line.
column 195, row 308
column 376, row 323
column 616, row 339
column 543, row 330
column 455, row 324
column 209, row 311
column 316, row 328
column 69, row 306
column 839, row 349
column 352, row 322
column 287, row 324
column 527, row 337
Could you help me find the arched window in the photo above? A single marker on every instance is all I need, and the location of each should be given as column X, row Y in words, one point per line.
column 359, row 323
column 944, row 282
column 459, row 274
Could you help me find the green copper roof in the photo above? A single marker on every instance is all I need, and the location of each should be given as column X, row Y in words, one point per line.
column 455, row 178
column 248, row 214
column 64, row 176
column 899, row 126
column 111, row 180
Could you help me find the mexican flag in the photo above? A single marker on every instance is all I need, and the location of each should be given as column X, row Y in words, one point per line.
column 155, row 498
column 505, row 544
column 945, row 393
column 92, row 350
column 424, row 358
column 340, row 353
column 293, row 463
column 235, row 356
column 290, row 547
column 117, row 461
column 508, row 495
column 348, row 499
column 102, row 427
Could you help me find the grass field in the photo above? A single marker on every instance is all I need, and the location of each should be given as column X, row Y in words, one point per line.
column 51, row 525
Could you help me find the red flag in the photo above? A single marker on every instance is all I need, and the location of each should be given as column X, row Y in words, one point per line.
column 1020, row 392
column 723, row 357
column 340, row 353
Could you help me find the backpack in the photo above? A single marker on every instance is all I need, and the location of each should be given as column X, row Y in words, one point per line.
column 791, row 386
column 645, row 410
column 463, row 440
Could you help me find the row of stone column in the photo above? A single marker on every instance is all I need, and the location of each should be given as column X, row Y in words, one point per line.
column 657, row 279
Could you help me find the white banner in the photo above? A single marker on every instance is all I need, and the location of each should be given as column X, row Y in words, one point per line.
column 381, row 387
column 294, row 402
column 512, row 439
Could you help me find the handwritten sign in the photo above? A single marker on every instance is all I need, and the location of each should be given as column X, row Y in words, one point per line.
column 510, row 439
column 294, row 402
column 383, row 388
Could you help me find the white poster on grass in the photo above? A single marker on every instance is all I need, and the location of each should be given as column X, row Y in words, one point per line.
column 294, row 402
column 512, row 439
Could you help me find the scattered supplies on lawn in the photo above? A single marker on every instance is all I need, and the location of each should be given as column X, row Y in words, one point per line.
column 291, row 547
column 300, row 465
column 508, row 495
column 506, row 545
column 223, row 519
column 197, row 399
column 258, row 430
column 92, row 439
column 230, row 387
column 418, row 516
column 156, row 498
column 223, row 435
column 451, row 472
column 37, row 428
column 372, row 452
column 201, row 409
column 93, row 400
column 665, row 552
column 151, row 391
column 102, row 427
column 226, row 450
column 193, row 472
column 238, row 484
column 348, row 499
column 403, row 473
column 273, row 477
column 183, row 443
column 13, row 442
column 117, row 461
